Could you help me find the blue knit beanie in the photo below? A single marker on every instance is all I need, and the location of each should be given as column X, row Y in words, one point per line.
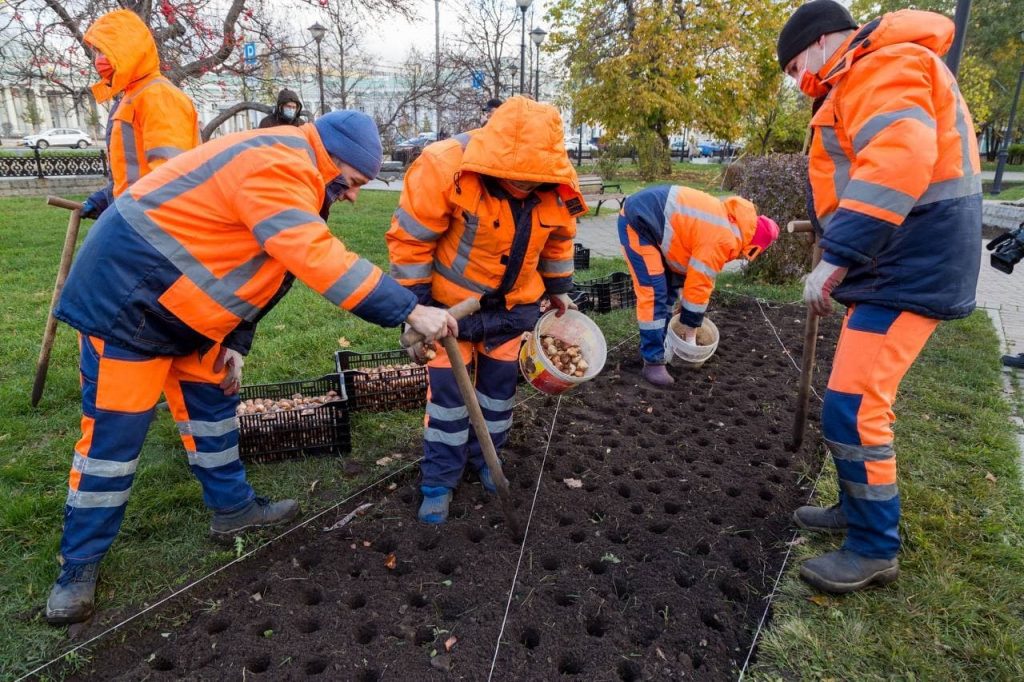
column 352, row 137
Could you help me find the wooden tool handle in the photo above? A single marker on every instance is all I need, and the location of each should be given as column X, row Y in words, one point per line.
column 63, row 203
column 797, row 226
column 50, row 331
column 460, row 310
column 806, row 369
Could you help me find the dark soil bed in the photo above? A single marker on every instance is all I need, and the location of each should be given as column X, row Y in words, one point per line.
column 656, row 568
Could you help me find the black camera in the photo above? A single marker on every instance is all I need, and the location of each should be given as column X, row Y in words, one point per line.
column 1007, row 249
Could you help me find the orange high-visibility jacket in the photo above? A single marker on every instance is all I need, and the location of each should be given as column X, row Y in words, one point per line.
column 154, row 121
column 894, row 169
column 697, row 235
column 202, row 244
column 449, row 232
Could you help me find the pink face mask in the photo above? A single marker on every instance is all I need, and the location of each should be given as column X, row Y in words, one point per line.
column 765, row 234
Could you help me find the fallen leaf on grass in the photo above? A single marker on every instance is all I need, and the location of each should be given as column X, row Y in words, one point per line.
column 820, row 600
column 450, row 642
column 390, row 561
column 990, row 477
column 312, row 487
column 572, row 483
column 383, row 461
column 802, row 540
column 279, row 327
column 392, row 487
column 343, row 342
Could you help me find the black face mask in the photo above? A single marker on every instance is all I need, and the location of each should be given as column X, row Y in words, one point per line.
column 335, row 188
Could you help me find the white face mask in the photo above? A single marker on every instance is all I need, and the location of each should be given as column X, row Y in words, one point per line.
column 289, row 112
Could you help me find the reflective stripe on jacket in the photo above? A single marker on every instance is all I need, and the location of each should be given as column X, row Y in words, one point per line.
column 894, row 169
column 697, row 235
column 154, row 120
column 451, row 232
column 201, row 245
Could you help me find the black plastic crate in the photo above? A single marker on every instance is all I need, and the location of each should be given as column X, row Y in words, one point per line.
column 605, row 293
column 383, row 381
column 322, row 430
column 580, row 257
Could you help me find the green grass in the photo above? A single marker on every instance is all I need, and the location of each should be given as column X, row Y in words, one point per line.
column 991, row 166
column 1011, row 193
column 956, row 612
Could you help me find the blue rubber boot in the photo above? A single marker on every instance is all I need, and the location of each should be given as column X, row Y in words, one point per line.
column 434, row 508
column 486, row 481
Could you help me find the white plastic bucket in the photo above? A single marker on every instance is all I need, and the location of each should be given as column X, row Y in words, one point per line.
column 689, row 353
column 574, row 328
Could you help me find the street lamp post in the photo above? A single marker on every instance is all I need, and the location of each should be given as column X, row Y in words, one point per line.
column 1004, row 148
column 537, row 36
column 523, row 6
column 437, row 68
column 318, row 31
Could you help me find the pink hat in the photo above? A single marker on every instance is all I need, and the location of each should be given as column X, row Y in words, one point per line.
column 765, row 234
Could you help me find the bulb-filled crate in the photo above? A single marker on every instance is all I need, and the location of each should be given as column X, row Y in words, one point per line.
column 382, row 381
column 605, row 293
column 293, row 418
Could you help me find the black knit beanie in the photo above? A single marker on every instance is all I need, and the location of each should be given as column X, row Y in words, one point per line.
column 808, row 23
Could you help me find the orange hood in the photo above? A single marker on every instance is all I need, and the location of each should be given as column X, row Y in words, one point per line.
column 128, row 44
column 927, row 29
column 523, row 140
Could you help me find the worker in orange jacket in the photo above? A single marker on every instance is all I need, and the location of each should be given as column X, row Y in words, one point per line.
column 488, row 214
column 150, row 120
column 166, row 293
column 678, row 239
column 896, row 195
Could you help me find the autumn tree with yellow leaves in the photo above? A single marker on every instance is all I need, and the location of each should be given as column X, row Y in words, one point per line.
column 654, row 67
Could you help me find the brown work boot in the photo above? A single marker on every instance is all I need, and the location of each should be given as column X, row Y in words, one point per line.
column 823, row 519
column 845, row 571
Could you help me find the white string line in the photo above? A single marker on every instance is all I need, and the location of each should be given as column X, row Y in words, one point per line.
column 784, row 349
column 215, row 572
column 792, row 540
column 526, row 534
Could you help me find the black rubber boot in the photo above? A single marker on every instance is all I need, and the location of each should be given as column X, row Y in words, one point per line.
column 72, row 598
column 845, row 571
column 261, row 513
column 823, row 519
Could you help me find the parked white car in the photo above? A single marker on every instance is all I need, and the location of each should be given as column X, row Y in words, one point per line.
column 572, row 146
column 58, row 137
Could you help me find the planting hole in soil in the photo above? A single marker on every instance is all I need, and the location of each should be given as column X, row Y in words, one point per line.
column 673, row 549
column 315, row 666
column 530, row 638
column 629, row 671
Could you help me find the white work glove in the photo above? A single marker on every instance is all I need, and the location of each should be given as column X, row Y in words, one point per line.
column 560, row 303
column 232, row 361
column 432, row 323
column 819, row 285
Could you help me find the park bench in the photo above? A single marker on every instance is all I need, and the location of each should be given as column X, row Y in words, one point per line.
column 594, row 189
